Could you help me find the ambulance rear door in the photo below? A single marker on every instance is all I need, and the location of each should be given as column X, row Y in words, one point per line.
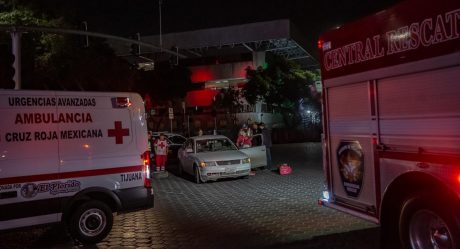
column 29, row 161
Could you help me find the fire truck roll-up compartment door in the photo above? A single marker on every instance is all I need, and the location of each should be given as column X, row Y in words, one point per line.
column 420, row 124
column 421, row 110
column 351, row 130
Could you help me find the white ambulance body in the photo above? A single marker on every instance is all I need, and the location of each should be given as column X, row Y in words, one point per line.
column 72, row 157
column 391, row 103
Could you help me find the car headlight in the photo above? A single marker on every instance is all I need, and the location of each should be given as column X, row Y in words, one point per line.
column 207, row 164
column 247, row 160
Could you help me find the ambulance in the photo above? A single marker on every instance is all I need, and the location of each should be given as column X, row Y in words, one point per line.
column 72, row 157
column 391, row 115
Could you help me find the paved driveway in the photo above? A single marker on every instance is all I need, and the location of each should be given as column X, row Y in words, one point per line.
column 265, row 211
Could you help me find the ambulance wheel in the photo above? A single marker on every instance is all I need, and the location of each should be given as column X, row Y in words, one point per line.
column 91, row 222
column 196, row 172
column 426, row 222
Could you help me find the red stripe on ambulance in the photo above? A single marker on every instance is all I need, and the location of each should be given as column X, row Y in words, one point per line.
column 73, row 174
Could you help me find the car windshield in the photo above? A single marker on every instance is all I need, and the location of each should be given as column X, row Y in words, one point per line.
column 177, row 139
column 214, row 144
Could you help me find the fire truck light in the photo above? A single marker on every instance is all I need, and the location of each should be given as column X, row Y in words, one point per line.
column 320, row 44
column 326, row 195
column 458, row 178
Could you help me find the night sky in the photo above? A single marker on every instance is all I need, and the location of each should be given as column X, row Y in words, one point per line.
column 123, row 17
column 128, row 17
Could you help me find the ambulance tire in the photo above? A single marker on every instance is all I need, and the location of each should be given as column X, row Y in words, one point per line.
column 91, row 222
column 425, row 220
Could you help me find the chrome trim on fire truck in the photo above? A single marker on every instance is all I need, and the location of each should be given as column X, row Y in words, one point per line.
column 326, row 203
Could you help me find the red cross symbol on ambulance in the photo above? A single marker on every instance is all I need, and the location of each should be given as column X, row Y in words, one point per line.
column 118, row 132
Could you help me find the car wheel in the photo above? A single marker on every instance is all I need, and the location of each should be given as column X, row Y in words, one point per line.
column 180, row 168
column 91, row 222
column 426, row 222
column 196, row 172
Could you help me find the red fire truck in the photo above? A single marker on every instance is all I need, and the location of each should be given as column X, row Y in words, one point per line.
column 391, row 101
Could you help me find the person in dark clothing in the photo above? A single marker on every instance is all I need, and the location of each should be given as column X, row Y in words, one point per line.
column 255, row 128
column 267, row 141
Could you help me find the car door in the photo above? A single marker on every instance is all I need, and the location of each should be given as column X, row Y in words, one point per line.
column 186, row 157
column 175, row 143
column 257, row 152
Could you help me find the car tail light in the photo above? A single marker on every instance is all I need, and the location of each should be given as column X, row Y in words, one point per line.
column 146, row 169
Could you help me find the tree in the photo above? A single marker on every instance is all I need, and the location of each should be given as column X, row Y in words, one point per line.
column 6, row 67
column 283, row 83
column 167, row 82
column 61, row 62
column 167, row 86
column 228, row 100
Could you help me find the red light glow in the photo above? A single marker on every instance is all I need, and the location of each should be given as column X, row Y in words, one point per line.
column 320, row 44
column 458, row 178
column 200, row 97
column 202, row 74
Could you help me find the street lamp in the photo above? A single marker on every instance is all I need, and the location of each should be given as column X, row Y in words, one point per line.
column 85, row 26
column 161, row 38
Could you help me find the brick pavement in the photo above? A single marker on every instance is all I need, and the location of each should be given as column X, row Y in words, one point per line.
column 265, row 211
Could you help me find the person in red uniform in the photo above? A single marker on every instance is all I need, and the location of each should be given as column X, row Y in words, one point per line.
column 161, row 152
column 244, row 139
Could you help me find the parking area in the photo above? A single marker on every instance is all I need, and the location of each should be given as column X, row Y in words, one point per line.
column 265, row 211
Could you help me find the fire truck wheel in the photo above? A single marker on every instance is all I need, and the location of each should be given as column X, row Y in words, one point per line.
column 426, row 222
column 91, row 222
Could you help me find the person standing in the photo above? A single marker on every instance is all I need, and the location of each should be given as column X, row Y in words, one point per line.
column 161, row 152
column 150, row 145
column 267, row 141
column 255, row 128
column 243, row 140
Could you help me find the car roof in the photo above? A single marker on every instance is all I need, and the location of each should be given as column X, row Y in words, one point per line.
column 204, row 137
column 168, row 134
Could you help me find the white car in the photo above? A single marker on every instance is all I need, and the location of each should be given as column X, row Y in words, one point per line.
column 212, row 157
column 257, row 152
